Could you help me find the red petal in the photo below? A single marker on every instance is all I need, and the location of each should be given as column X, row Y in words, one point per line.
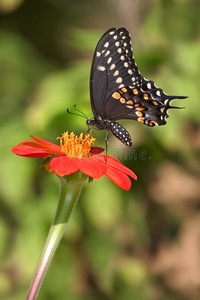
column 46, row 144
column 114, row 163
column 119, row 178
column 29, row 151
column 92, row 168
column 39, row 148
column 64, row 165
column 96, row 150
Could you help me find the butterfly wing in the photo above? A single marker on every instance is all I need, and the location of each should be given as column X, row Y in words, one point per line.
column 146, row 104
column 118, row 90
column 113, row 67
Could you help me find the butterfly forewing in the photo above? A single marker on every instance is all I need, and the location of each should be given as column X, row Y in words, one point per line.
column 113, row 67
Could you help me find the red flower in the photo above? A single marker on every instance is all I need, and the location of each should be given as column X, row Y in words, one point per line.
column 74, row 154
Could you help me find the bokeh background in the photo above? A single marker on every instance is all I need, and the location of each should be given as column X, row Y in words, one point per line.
column 141, row 244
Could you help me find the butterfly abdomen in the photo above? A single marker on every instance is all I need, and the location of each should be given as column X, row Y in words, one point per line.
column 121, row 133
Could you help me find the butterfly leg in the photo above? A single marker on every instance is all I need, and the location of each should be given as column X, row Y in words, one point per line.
column 90, row 130
column 106, row 142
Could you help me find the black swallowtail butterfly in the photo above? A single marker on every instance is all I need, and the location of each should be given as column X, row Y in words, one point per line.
column 119, row 91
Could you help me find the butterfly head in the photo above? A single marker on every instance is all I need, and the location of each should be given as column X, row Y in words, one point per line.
column 93, row 124
column 98, row 123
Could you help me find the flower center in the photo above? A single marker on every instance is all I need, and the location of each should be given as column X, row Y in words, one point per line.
column 76, row 146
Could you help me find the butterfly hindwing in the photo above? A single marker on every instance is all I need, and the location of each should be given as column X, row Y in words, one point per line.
column 147, row 105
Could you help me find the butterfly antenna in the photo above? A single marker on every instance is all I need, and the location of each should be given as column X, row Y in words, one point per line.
column 84, row 115
column 80, row 115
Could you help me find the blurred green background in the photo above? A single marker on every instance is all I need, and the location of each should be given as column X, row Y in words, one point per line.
column 141, row 244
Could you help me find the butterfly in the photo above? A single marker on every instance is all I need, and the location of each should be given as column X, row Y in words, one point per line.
column 118, row 90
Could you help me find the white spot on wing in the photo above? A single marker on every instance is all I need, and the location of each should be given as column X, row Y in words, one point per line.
column 109, row 60
column 112, row 66
column 149, row 85
column 166, row 101
column 116, row 73
column 119, row 80
column 101, row 68
column 162, row 109
column 158, row 93
column 107, row 53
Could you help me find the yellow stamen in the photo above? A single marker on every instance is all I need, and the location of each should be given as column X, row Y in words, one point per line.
column 76, row 146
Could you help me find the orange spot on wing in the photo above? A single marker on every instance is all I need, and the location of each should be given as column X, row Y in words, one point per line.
column 122, row 100
column 145, row 96
column 139, row 113
column 130, row 102
column 140, row 108
column 124, row 90
column 135, row 91
column 152, row 123
column 116, row 95
column 141, row 120
column 155, row 102
column 137, row 105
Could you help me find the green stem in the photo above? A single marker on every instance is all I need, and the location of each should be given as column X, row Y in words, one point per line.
column 70, row 189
